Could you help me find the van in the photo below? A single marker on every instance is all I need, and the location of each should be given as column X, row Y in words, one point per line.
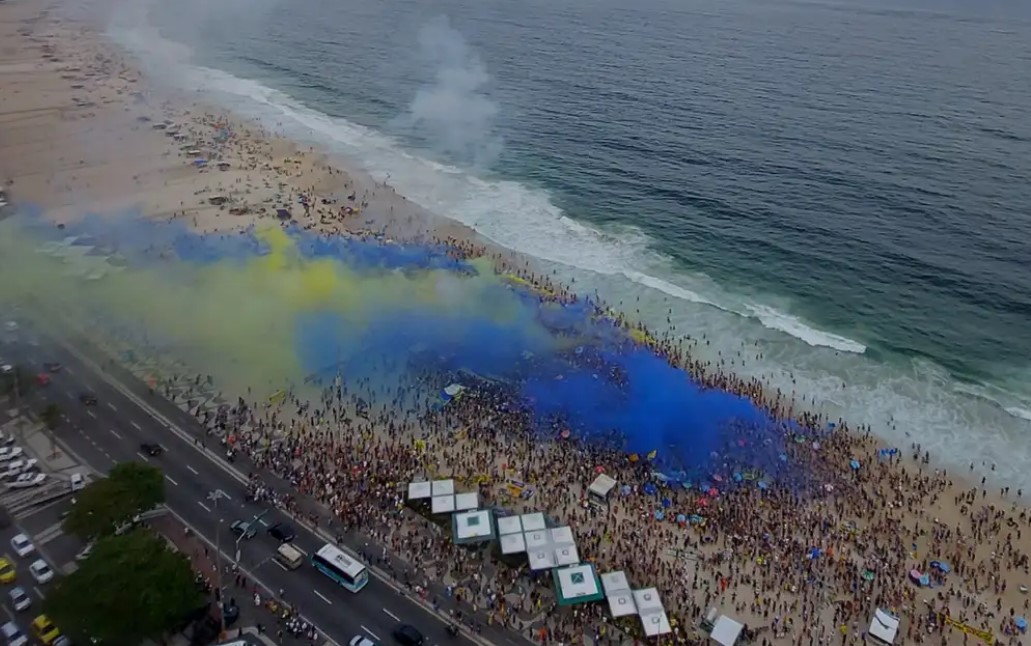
column 289, row 556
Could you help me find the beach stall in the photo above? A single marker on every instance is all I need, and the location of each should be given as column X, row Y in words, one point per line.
column 598, row 492
column 618, row 594
column 726, row 631
column 472, row 527
column 652, row 613
column 576, row 584
column 884, row 626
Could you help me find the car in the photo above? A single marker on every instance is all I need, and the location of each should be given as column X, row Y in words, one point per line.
column 26, row 480
column 13, row 635
column 22, row 546
column 9, row 452
column 7, row 572
column 20, row 600
column 230, row 613
column 40, row 571
column 78, row 482
column 152, row 449
column 52, row 366
column 45, row 630
column 18, row 467
column 361, row 640
column 408, row 635
column 6, row 369
column 42, row 379
column 88, row 399
column 243, row 528
column 282, row 532
column 85, row 552
column 7, row 440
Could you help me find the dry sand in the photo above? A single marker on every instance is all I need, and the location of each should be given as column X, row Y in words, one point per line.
column 78, row 131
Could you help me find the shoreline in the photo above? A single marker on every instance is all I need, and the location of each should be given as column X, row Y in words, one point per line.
column 111, row 186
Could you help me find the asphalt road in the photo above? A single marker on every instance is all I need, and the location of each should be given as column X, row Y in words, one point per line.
column 112, row 431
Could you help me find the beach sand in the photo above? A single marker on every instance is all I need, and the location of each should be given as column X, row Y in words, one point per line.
column 81, row 131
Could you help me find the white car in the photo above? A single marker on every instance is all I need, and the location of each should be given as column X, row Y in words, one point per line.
column 361, row 640
column 40, row 571
column 19, row 598
column 13, row 635
column 9, row 452
column 6, row 369
column 26, row 480
column 78, row 482
column 22, row 546
column 85, row 552
column 20, row 466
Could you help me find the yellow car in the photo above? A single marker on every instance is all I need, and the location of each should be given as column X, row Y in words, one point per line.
column 45, row 630
column 7, row 573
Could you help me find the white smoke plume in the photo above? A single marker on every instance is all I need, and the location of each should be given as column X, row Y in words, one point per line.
column 454, row 112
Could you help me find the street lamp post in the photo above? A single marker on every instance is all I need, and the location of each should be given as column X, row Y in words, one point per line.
column 214, row 497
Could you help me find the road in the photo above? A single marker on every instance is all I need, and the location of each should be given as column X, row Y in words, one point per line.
column 112, row 431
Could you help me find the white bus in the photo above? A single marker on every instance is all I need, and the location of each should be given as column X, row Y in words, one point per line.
column 340, row 567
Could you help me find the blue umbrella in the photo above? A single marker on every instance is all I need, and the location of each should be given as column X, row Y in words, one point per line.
column 650, row 489
column 762, row 484
column 738, row 477
column 944, row 567
column 1021, row 623
column 660, row 515
column 854, row 463
column 667, row 503
column 681, row 518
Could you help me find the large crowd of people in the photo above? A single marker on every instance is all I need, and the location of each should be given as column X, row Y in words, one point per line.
column 796, row 564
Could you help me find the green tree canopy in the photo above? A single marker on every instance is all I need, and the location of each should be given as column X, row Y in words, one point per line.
column 131, row 588
column 104, row 505
column 51, row 416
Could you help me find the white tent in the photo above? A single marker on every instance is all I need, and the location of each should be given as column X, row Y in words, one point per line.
column 884, row 626
column 726, row 631
column 598, row 492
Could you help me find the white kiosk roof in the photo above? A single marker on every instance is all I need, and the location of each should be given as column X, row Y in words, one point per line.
column 884, row 626
column 541, row 559
column 615, row 582
column 473, row 526
column 726, row 631
column 653, row 615
column 509, row 525
column 538, row 541
column 465, row 501
column 621, row 603
column 419, row 490
column 533, row 522
column 512, row 543
column 442, row 504
column 443, row 487
column 602, row 485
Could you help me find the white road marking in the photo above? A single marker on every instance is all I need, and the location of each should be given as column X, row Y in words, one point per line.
column 192, row 470
column 322, row 597
column 39, row 593
column 205, row 507
column 172, row 481
column 262, row 521
column 145, row 458
column 392, row 615
column 69, row 370
column 115, row 433
column 112, row 407
column 374, row 635
column 136, row 426
column 91, row 414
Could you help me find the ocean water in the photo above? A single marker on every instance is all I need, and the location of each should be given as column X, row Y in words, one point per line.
column 842, row 186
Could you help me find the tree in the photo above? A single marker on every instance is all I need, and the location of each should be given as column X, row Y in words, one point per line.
column 51, row 416
column 15, row 382
column 129, row 489
column 131, row 588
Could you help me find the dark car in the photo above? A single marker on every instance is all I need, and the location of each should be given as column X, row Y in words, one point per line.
column 88, row 399
column 407, row 635
column 52, row 366
column 230, row 613
column 282, row 532
column 152, row 449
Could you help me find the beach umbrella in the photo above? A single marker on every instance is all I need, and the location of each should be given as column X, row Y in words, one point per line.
column 868, row 575
column 695, row 519
column 814, row 552
column 650, row 489
column 681, row 518
column 914, row 575
column 667, row 503
column 925, row 580
column 625, row 490
column 660, row 515
column 943, row 567
column 738, row 477
column 1021, row 623
column 762, row 484
column 854, row 463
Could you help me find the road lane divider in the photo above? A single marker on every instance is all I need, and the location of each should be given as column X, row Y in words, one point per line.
column 392, row 615
column 323, row 597
column 234, row 473
column 170, row 480
column 374, row 635
column 204, row 507
column 115, row 433
column 192, row 470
